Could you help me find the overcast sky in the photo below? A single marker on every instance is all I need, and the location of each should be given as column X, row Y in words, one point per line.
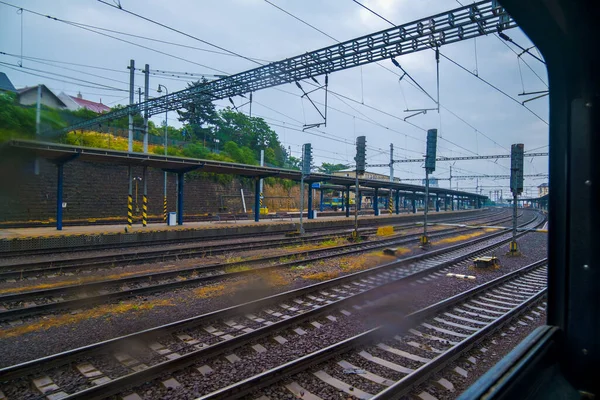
column 256, row 29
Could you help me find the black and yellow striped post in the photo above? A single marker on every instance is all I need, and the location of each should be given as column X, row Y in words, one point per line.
column 261, row 200
column 391, row 203
column 145, row 200
column 165, row 209
column 129, row 203
column 129, row 211
column 145, row 211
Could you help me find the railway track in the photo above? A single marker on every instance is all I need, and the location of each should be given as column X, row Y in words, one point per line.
column 70, row 263
column 107, row 368
column 152, row 242
column 74, row 297
column 393, row 365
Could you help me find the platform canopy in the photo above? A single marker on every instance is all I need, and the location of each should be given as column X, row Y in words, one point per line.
column 58, row 153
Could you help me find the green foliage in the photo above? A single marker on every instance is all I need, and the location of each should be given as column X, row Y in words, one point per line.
column 293, row 163
column 328, row 168
column 199, row 116
column 241, row 137
column 19, row 121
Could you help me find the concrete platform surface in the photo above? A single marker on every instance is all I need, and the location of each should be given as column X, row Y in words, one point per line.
column 50, row 231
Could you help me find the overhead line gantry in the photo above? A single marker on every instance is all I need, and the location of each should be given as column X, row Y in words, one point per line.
column 463, row 23
column 485, row 157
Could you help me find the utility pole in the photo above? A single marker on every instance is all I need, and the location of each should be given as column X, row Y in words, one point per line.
column 146, row 91
column 451, row 177
column 166, row 145
column 145, row 147
column 38, row 118
column 131, row 94
column 391, row 162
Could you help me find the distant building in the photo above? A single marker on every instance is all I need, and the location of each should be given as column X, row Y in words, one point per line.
column 543, row 189
column 366, row 175
column 5, row 84
column 75, row 103
column 433, row 182
column 28, row 96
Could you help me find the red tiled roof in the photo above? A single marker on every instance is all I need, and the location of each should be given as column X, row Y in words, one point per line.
column 91, row 105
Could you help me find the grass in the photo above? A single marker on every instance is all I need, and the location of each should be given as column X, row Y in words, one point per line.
column 338, row 241
column 104, row 311
column 385, row 231
column 79, row 281
column 268, row 278
column 215, row 290
column 237, row 268
column 351, row 264
column 465, row 236
column 232, row 259
column 323, row 276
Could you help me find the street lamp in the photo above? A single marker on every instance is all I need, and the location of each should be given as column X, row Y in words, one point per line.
column 166, row 126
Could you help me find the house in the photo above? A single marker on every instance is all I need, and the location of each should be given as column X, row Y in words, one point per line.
column 78, row 102
column 5, row 84
column 28, row 96
column 543, row 189
column 366, row 175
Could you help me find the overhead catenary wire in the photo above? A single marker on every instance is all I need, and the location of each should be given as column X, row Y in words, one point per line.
column 350, row 99
column 93, row 85
column 178, row 31
column 494, row 87
column 79, row 25
column 423, row 90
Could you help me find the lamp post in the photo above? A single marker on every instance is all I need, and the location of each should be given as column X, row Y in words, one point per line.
column 166, row 142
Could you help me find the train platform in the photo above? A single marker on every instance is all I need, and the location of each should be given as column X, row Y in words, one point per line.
column 15, row 239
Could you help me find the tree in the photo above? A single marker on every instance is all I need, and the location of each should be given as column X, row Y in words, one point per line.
column 199, row 115
column 327, row 168
column 293, row 163
column 252, row 133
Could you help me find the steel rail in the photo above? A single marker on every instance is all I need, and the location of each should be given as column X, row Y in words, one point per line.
column 21, row 312
column 181, row 239
column 55, row 360
column 28, row 268
column 116, row 385
column 274, row 375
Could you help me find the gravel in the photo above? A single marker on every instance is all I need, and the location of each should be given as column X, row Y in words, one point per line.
column 498, row 346
column 226, row 373
column 59, row 338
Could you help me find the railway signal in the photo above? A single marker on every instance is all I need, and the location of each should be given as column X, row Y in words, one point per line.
column 516, row 187
column 306, row 164
column 429, row 168
column 361, row 166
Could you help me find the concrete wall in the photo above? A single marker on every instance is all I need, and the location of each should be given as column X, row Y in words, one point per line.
column 100, row 190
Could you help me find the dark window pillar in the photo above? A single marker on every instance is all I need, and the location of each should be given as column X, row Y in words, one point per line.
column 376, row 202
